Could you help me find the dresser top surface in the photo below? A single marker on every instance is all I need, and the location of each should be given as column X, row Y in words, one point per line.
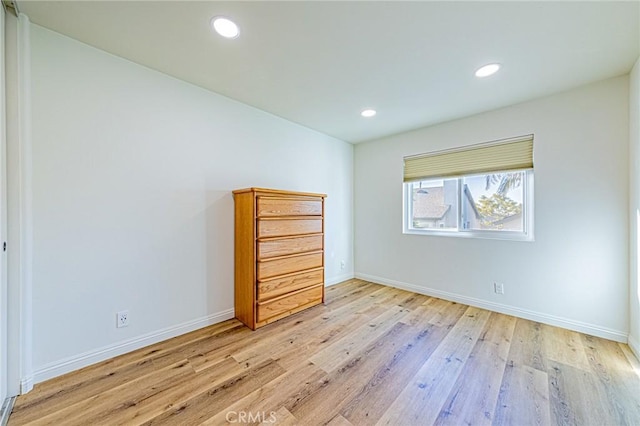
column 278, row 192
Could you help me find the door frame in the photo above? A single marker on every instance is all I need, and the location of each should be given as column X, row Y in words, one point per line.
column 17, row 190
column 4, row 393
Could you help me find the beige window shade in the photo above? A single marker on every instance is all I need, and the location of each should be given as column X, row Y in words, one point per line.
column 512, row 154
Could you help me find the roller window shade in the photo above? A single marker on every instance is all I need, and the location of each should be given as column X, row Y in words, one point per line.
column 514, row 154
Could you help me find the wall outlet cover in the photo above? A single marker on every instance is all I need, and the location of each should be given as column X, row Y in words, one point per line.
column 122, row 319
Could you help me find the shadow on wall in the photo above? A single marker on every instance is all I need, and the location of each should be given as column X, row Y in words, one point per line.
column 219, row 247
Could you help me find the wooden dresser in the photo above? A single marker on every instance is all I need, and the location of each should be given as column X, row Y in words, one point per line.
column 279, row 254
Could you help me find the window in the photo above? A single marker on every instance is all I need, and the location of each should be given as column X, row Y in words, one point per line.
column 492, row 204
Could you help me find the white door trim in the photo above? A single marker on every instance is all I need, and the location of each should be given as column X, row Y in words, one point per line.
column 3, row 223
column 17, row 57
column 26, row 220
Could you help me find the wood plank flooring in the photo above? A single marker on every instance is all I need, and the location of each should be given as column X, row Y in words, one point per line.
column 372, row 355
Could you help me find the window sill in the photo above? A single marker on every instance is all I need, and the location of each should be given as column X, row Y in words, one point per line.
column 486, row 235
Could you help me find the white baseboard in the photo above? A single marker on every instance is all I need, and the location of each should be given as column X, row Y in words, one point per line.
column 582, row 327
column 339, row 279
column 634, row 345
column 76, row 362
column 26, row 384
column 5, row 410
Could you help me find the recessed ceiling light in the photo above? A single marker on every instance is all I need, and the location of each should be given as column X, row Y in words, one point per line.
column 225, row 27
column 368, row 113
column 487, row 70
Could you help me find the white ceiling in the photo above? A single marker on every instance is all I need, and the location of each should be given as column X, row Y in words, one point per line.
column 320, row 63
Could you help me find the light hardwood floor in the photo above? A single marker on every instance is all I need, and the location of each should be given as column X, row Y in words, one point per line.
column 370, row 355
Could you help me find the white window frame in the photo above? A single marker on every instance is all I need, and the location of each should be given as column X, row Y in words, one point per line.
column 460, row 232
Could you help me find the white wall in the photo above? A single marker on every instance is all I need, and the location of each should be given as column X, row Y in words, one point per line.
column 132, row 178
column 576, row 272
column 634, row 212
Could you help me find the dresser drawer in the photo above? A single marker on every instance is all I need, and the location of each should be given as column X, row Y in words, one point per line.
column 273, row 206
column 283, row 247
column 284, row 304
column 286, row 265
column 279, row 286
column 285, row 227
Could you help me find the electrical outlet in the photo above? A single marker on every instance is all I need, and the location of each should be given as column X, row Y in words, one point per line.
column 122, row 319
column 342, row 264
column 498, row 288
